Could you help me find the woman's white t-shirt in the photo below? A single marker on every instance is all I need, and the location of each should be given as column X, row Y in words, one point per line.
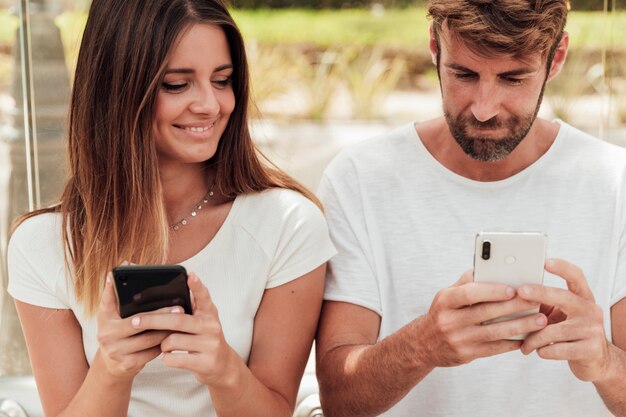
column 267, row 239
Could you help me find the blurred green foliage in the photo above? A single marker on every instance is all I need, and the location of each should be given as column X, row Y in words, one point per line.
column 324, row 4
column 400, row 28
column 344, row 4
column 394, row 28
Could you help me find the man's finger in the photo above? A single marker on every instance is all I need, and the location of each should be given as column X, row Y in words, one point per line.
column 567, row 301
column 573, row 275
column 482, row 312
column 474, row 293
column 561, row 332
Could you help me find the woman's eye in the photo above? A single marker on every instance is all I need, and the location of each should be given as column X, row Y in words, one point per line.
column 223, row 83
column 173, row 88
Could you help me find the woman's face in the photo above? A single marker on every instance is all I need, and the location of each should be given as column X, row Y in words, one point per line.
column 195, row 98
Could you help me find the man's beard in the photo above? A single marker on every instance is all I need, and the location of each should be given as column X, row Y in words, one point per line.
column 489, row 149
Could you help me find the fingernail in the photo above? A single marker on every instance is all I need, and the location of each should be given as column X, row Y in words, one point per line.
column 195, row 278
column 510, row 291
column 108, row 278
column 540, row 320
column 550, row 263
column 135, row 321
column 525, row 290
column 175, row 310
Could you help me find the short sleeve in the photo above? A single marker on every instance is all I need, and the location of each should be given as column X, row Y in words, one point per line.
column 32, row 267
column 351, row 274
column 303, row 242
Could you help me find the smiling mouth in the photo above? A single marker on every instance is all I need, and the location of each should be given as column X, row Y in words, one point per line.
column 196, row 129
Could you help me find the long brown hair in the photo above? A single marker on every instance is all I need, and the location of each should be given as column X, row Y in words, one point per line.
column 112, row 204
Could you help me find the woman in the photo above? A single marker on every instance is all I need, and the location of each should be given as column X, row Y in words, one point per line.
column 163, row 170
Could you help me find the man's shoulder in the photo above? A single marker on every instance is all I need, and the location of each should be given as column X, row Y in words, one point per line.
column 579, row 144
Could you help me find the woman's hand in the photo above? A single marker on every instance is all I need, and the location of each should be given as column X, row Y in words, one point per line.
column 197, row 342
column 124, row 349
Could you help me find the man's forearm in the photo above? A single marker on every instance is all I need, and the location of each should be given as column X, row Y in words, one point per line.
column 613, row 388
column 372, row 378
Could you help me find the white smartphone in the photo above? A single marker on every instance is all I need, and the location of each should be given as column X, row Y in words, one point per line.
column 512, row 258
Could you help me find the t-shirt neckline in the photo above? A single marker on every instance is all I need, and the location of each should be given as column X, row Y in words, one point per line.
column 222, row 230
column 542, row 160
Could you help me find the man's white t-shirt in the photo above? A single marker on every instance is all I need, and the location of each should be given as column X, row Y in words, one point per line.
column 267, row 240
column 404, row 227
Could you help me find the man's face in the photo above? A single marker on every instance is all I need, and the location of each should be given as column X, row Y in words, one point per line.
column 490, row 104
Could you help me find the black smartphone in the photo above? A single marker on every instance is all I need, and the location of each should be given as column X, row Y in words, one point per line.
column 142, row 288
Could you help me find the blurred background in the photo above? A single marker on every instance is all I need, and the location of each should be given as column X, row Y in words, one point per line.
column 325, row 73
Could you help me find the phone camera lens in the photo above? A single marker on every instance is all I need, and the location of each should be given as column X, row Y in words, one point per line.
column 123, row 278
column 486, row 254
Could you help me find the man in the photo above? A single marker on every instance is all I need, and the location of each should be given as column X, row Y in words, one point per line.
column 398, row 336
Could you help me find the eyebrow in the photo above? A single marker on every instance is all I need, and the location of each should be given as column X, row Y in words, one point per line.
column 512, row 73
column 191, row 71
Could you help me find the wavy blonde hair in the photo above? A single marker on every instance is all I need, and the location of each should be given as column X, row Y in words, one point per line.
column 112, row 205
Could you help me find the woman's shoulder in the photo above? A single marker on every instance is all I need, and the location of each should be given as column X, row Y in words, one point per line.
column 36, row 263
column 277, row 209
column 279, row 203
column 39, row 230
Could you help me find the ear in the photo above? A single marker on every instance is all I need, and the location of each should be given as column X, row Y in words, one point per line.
column 433, row 45
column 559, row 56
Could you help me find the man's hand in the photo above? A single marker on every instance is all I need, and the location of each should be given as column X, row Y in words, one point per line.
column 453, row 331
column 575, row 330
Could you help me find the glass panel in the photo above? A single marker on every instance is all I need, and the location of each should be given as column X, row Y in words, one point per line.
column 32, row 147
column 13, row 360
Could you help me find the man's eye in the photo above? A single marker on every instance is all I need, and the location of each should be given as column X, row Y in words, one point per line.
column 173, row 87
column 513, row 81
column 464, row 76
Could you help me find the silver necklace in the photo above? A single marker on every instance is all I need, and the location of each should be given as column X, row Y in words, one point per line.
column 194, row 212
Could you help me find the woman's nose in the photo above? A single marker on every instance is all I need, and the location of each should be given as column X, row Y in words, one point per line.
column 205, row 102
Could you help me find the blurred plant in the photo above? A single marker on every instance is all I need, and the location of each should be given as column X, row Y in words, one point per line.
column 6, row 67
column 71, row 24
column 610, row 78
column 619, row 86
column 321, row 80
column 565, row 89
column 269, row 70
column 370, row 78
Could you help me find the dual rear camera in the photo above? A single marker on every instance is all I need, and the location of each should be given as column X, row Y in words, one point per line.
column 486, row 252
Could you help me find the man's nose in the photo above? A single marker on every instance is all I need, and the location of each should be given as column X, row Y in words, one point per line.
column 486, row 103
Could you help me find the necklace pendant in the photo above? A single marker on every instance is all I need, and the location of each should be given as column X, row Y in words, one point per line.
column 194, row 212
